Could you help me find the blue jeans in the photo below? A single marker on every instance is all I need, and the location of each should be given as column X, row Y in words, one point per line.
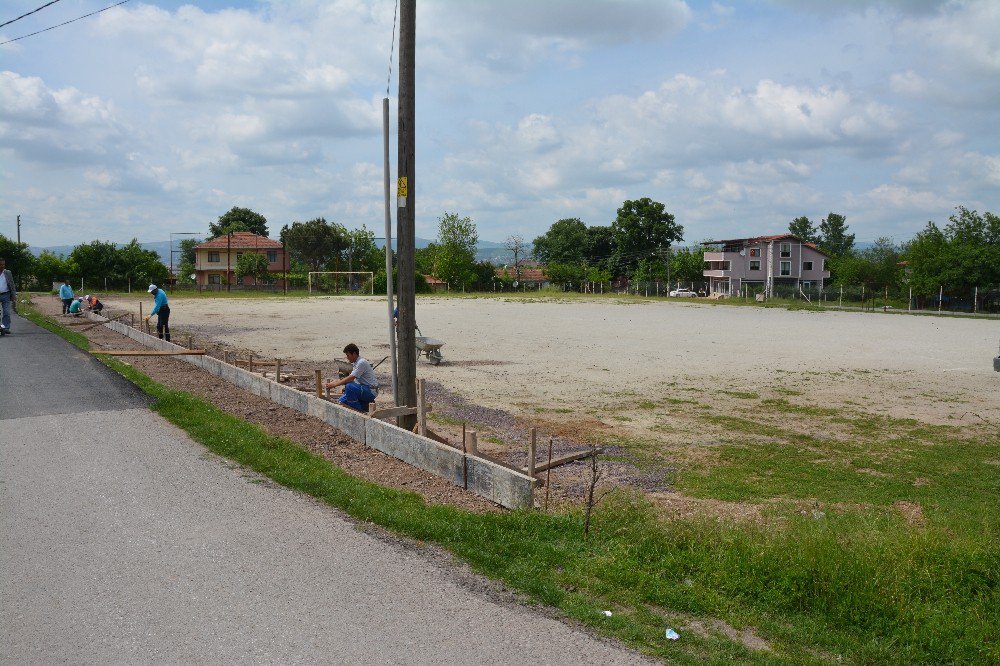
column 5, row 308
column 357, row 396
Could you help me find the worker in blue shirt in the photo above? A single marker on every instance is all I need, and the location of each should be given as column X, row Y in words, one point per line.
column 66, row 295
column 162, row 312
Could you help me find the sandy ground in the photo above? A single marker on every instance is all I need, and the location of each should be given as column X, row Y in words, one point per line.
column 529, row 355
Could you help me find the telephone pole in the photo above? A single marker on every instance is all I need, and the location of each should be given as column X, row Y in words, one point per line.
column 18, row 229
column 406, row 392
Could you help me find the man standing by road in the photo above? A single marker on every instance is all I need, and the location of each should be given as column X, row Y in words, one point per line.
column 162, row 312
column 66, row 295
column 361, row 386
column 8, row 296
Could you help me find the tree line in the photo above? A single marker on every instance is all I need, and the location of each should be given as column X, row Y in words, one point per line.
column 960, row 259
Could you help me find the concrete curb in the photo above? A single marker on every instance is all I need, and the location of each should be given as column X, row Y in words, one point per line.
column 496, row 483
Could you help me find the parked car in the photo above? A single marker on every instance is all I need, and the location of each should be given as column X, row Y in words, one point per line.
column 683, row 293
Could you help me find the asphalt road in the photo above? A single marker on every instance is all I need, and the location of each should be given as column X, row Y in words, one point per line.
column 125, row 542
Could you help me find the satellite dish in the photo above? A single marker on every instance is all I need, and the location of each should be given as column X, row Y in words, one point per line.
column 515, row 284
column 743, row 252
column 193, row 276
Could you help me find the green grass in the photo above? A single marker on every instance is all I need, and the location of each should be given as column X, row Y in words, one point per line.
column 856, row 584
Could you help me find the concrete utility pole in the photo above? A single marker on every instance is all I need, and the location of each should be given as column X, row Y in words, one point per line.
column 406, row 393
column 18, row 229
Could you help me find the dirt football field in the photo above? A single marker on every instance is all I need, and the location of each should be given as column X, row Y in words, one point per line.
column 648, row 375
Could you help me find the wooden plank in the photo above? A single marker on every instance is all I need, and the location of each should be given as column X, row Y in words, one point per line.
column 132, row 352
column 319, row 384
column 390, row 412
column 421, row 409
column 531, row 453
column 579, row 455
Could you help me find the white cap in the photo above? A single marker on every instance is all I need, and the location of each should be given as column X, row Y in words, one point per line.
column 152, row 288
column 87, row 297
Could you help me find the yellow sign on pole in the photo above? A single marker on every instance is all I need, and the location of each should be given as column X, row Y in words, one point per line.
column 401, row 187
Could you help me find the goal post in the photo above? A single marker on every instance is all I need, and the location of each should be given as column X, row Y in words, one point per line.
column 338, row 282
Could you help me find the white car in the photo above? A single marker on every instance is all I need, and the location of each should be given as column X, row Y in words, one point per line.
column 683, row 293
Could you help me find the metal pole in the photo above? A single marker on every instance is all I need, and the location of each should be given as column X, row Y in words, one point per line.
column 405, row 218
column 388, row 245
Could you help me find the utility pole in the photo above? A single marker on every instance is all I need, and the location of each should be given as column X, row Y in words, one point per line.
column 18, row 229
column 406, row 393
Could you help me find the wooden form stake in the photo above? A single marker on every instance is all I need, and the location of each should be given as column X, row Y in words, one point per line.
column 548, row 473
column 465, row 461
column 277, row 370
column 319, row 383
column 251, row 362
column 531, row 454
column 190, row 342
column 421, row 409
column 473, row 443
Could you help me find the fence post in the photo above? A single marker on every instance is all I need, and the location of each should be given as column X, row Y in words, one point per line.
column 909, row 303
column 841, row 295
column 940, row 297
column 975, row 301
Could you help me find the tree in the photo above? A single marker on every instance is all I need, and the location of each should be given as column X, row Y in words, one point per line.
column 49, row 268
column 238, row 219
column 966, row 254
column 456, row 254
column 96, row 260
column 642, row 229
column 687, row 265
column 834, row 237
column 187, row 246
column 315, row 243
column 134, row 265
column 566, row 241
column 515, row 245
column 600, row 247
column 803, row 228
column 252, row 264
column 566, row 274
column 424, row 259
column 18, row 258
column 363, row 253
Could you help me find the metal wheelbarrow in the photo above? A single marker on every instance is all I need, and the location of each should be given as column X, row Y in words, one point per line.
column 429, row 347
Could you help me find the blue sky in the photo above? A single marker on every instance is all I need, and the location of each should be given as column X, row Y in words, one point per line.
column 153, row 118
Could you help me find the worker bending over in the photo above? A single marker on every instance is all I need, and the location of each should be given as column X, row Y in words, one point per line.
column 361, row 386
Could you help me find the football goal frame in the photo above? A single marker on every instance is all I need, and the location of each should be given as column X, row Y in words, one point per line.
column 368, row 275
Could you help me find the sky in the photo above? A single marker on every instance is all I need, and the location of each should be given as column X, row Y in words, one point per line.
column 154, row 118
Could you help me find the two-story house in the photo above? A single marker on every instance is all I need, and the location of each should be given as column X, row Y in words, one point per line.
column 763, row 261
column 215, row 260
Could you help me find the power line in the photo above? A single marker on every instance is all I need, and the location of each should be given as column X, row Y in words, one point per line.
column 29, row 13
column 64, row 23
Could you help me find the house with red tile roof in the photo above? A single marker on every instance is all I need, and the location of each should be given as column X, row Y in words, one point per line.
column 763, row 262
column 215, row 260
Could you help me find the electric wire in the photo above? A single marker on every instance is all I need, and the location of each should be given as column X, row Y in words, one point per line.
column 392, row 48
column 37, row 32
column 29, row 13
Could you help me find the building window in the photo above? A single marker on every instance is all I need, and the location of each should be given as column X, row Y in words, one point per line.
column 806, row 284
column 238, row 255
column 786, row 250
column 213, row 257
column 215, row 279
column 786, row 268
column 755, row 264
column 272, row 256
column 755, row 252
column 807, row 265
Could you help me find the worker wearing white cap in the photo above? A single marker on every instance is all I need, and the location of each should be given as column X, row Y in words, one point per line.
column 162, row 312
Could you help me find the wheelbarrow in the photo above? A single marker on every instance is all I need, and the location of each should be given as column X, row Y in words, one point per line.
column 429, row 347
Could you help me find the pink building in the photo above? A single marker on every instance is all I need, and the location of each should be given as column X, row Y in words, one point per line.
column 763, row 261
column 215, row 260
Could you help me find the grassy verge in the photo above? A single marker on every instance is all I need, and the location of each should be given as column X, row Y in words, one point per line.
column 855, row 585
